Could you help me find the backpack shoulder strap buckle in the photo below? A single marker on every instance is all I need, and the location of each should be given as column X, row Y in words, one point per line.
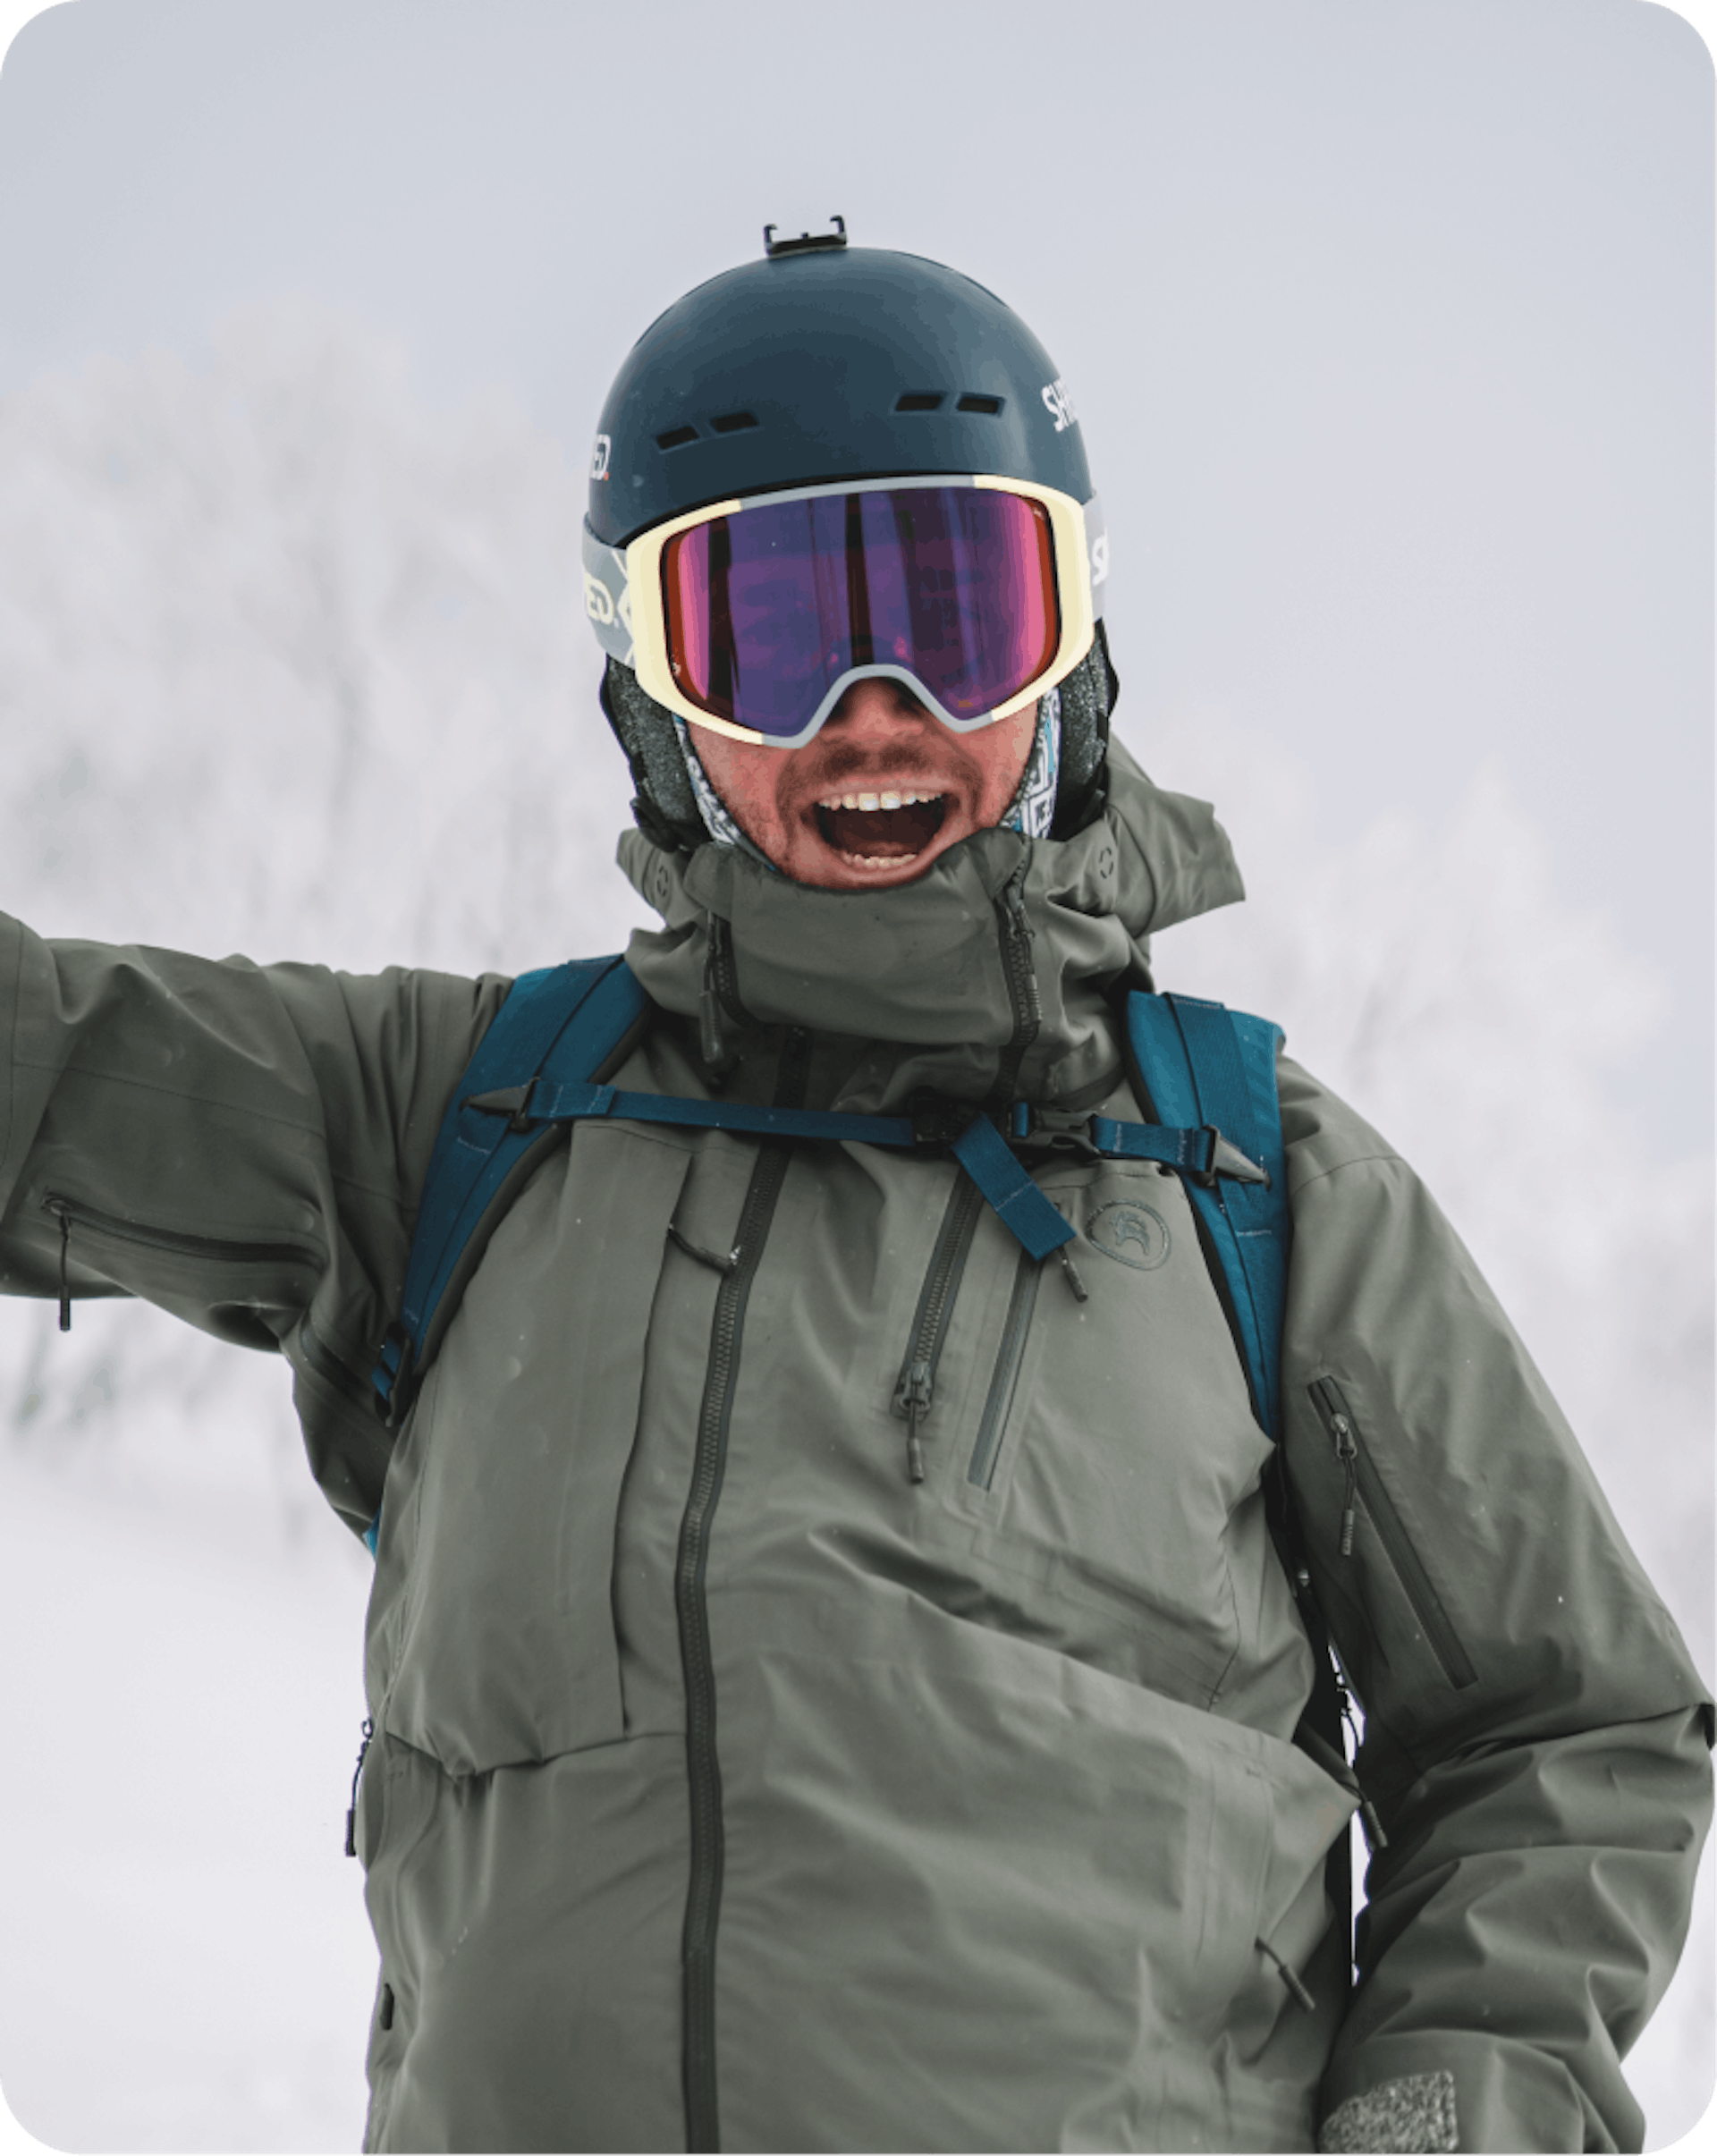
column 1226, row 1159
column 1064, row 1130
column 513, row 1101
column 937, row 1119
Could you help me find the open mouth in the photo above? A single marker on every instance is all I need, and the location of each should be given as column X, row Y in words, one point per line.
column 881, row 830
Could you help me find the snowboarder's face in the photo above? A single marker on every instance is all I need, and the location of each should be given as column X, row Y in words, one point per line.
column 873, row 798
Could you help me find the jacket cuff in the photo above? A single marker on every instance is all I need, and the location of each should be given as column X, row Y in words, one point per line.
column 1413, row 2114
column 1459, row 2091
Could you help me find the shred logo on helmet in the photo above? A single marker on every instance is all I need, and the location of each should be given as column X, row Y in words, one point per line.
column 1059, row 405
column 830, row 465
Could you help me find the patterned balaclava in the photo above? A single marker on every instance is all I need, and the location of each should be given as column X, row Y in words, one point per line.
column 1031, row 811
column 678, row 807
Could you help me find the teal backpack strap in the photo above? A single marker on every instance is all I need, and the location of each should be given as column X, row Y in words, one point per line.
column 564, row 1023
column 1201, row 1063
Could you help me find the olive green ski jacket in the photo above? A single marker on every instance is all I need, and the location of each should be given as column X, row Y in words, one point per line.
column 732, row 1789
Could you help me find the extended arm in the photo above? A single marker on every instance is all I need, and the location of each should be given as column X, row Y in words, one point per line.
column 242, row 1144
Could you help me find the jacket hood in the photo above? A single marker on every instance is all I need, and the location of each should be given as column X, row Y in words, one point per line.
column 995, row 971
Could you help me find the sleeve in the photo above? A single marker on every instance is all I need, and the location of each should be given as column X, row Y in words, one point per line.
column 1536, row 1736
column 243, row 1144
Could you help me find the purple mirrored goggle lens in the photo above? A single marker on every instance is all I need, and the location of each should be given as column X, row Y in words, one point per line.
column 766, row 610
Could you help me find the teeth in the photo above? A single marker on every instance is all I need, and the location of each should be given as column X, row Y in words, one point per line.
column 872, row 801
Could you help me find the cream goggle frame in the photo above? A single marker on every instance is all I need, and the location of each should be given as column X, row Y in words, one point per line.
column 849, row 567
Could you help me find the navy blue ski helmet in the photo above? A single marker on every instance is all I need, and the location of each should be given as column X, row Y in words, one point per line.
column 819, row 362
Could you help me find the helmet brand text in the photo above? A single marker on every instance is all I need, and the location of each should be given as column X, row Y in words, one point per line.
column 1059, row 405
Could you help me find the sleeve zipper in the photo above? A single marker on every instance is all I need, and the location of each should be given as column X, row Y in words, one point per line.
column 172, row 1240
column 1347, row 1451
column 1363, row 1483
column 67, row 1211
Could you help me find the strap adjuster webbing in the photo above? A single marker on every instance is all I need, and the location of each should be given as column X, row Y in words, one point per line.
column 1201, row 1154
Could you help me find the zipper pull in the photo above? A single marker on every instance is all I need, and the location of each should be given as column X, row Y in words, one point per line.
column 65, row 1284
column 1014, row 899
column 1081, row 1294
column 1347, row 1451
column 1297, row 1990
column 711, row 1045
column 1376, row 1838
column 357, row 1776
column 712, row 1040
column 913, row 1398
column 722, row 1266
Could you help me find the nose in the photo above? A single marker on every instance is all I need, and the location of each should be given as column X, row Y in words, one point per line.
column 878, row 711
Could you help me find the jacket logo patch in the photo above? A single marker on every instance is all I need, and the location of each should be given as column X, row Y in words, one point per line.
column 1134, row 1234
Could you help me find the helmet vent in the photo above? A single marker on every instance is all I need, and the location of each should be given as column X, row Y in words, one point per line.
column 731, row 422
column 972, row 401
column 675, row 435
column 919, row 400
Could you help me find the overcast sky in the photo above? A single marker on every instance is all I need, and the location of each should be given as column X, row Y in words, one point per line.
column 1389, row 326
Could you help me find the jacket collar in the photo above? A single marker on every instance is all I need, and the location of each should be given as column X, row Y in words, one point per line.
column 996, row 970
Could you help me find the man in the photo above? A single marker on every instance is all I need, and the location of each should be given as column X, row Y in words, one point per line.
column 840, row 1679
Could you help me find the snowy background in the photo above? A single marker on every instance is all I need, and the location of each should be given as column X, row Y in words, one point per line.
column 288, row 665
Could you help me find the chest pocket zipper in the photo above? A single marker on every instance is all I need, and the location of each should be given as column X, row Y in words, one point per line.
column 1364, row 1482
column 1004, row 1378
column 914, row 1388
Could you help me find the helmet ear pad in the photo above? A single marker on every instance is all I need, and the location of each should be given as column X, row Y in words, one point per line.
column 1088, row 696
column 665, row 808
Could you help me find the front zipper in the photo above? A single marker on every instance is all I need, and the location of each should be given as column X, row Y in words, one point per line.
column 1014, row 925
column 1361, row 1470
column 721, row 994
column 914, row 1388
column 1005, row 1377
column 709, row 1461
column 72, row 1212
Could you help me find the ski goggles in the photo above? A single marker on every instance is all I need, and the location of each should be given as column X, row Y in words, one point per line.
column 754, row 617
